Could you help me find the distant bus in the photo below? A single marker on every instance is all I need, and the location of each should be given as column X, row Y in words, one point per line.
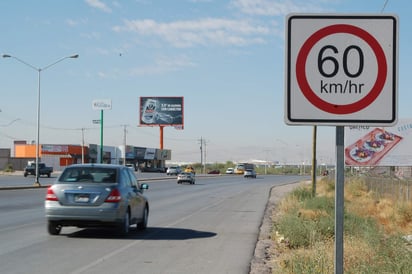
column 241, row 167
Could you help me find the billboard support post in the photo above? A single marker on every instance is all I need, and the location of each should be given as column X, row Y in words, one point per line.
column 161, row 136
column 101, row 136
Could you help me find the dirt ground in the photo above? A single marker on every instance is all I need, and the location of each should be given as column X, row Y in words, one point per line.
column 261, row 261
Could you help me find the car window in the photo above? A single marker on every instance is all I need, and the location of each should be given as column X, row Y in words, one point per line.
column 133, row 178
column 125, row 178
column 88, row 174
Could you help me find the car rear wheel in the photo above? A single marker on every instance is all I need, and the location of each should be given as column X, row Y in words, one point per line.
column 54, row 228
column 142, row 225
column 125, row 224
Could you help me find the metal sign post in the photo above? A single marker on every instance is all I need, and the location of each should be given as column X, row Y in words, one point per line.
column 339, row 198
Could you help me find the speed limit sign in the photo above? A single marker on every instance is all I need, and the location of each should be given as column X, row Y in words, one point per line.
column 341, row 69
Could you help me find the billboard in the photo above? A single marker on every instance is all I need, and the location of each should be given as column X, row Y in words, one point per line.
column 164, row 111
column 379, row 146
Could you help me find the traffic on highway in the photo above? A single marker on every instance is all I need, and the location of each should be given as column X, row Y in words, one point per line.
column 208, row 227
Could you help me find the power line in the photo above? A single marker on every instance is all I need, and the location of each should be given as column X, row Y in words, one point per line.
column 384, row 6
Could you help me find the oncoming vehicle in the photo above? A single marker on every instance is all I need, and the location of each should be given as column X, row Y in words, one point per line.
column 173, row 170
column 131, row 166
column 249, row 173
column 230, row 170
column 190, row 169
column 96, row 195
column 241, row 167
column 187, row 177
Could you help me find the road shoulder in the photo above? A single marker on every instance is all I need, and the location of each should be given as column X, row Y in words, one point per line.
column 261, row 260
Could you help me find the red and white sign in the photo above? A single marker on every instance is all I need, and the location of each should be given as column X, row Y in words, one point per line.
column 341, row 69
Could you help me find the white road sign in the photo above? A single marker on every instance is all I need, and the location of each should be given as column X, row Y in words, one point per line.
column 102, row 104
column 341, row 69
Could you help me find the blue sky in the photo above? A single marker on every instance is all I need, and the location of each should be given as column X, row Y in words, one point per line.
column 226, row 58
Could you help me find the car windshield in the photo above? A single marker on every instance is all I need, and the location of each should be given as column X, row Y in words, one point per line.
column 88, row 174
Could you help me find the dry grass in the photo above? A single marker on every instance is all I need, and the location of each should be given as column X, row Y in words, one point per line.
column 363, row 252
column 394, row 216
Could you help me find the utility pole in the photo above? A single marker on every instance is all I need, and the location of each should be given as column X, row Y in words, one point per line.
column 314, row 161
column 124, row 143
column 82, row 145
column 204, row 169
column 201, row 152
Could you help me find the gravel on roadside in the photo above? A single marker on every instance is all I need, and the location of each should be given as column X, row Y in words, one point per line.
column 261, row 263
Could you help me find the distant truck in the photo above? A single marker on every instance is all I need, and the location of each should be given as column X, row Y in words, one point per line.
column 241, row 167
column 43, row 169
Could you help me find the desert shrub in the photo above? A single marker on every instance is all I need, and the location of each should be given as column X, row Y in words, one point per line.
column 297, row 232
column 320, row 203
column 313, row 223
column 8, row 168
column 307, row 232
column 404, row 214
column 302, row 193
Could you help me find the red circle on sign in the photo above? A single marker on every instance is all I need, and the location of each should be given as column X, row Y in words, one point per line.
column 334, row 108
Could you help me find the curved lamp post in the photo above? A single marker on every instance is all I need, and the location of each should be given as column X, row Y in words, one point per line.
column 39, row 70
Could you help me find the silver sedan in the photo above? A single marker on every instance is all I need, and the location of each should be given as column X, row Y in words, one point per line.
column 188, row 177
column 94, row 195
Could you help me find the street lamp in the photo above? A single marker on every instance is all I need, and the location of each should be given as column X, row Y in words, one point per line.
column 39, row 70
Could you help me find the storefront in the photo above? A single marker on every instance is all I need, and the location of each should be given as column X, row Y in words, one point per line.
column 60, row 156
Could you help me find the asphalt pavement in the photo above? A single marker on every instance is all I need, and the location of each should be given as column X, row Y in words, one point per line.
column 28, row 182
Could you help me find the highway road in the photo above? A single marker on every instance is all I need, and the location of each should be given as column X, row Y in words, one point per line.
column 209, row 227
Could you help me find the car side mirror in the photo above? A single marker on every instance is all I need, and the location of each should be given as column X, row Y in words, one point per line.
column 144, row 186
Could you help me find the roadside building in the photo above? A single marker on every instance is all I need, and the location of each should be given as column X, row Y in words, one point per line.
column 59, row 156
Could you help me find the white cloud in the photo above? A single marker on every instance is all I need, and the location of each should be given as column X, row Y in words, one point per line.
column 99, row 5
column 92, row 35
column 200, row 1
column 208, row 31
column 274, row 8
column 163, row 64
column 73, row 22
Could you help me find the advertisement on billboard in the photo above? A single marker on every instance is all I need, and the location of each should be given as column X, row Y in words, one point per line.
column 54, row 149
column 379, row 146
column 165, row 111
